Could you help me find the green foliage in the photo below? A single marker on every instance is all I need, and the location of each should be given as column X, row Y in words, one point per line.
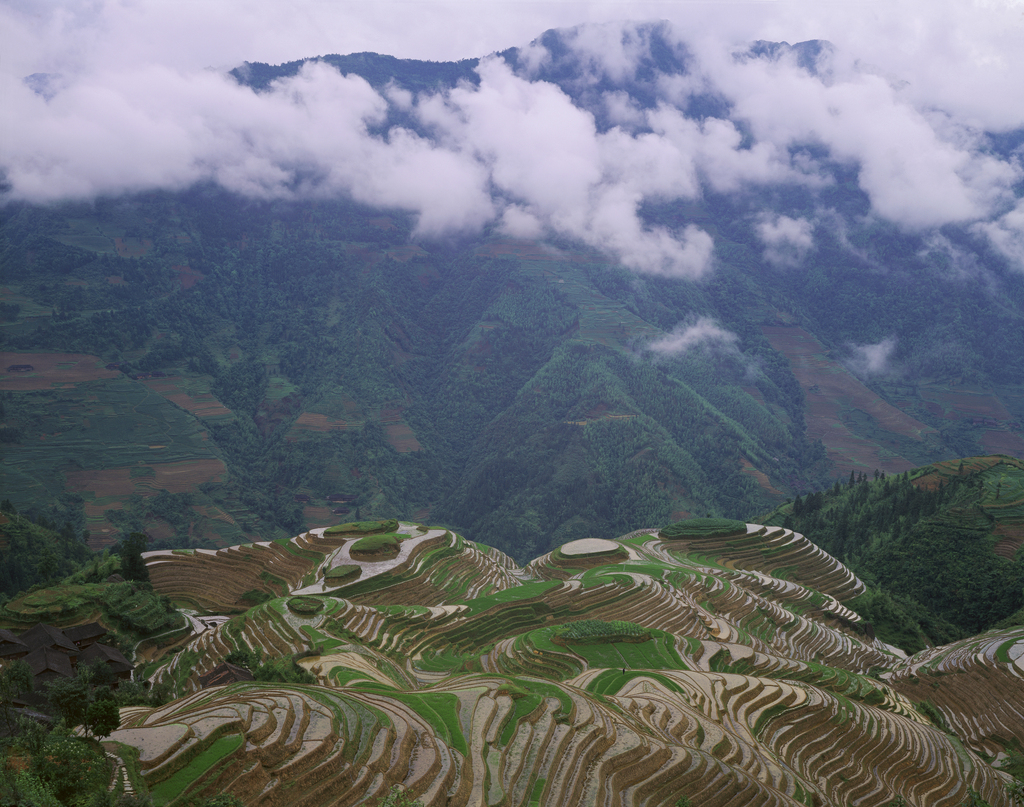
column 306, row 605
column 282, row 670
column 15, row 679
column 338, row 574
column 704, row 528
column 397, row 797
column 136, row 608
column 256, row 597
column 386, row 545
column 70, row 768
column 362, row 527
column 596, row 630
column 69, row 698
column 32, row 553
column 25, row 789
column 133, row 567
column 902, row 621
column 102, row 717
column 929, row 547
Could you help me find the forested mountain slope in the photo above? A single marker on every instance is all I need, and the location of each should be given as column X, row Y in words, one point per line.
column 940, row 545
column 212, row 366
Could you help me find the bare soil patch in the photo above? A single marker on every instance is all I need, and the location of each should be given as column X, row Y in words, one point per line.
column 402, row 437
column 1011, row 539
column 1000, row 442
column 174, row 477
column 201, row 404
column 49, row 369
column 180, row 477
column 318, row 516
column 831, row 389
column 761, row 477
column 188, row 276
column 406, row 252
column 310, row 421
column 953, row 404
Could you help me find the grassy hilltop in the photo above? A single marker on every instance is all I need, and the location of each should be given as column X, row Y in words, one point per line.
column 711, row 660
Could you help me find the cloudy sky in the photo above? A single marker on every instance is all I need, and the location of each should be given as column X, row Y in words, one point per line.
column 135, row 97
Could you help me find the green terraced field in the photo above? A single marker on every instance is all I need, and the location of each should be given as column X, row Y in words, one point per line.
column 673, row 673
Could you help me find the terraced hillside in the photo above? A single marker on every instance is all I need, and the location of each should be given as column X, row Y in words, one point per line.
column 712, row 660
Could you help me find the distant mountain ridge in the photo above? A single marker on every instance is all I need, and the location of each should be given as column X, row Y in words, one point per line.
column 529, row 388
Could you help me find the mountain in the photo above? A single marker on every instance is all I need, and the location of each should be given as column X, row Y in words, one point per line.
column 709, row 662
column 709, row 333
column 939, row 544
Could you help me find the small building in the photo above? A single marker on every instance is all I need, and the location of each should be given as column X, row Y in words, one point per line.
column 48, row 665
column 85, row 635
column 11, row 647
column 224, row 673
column 47, row 636
column 110, row 656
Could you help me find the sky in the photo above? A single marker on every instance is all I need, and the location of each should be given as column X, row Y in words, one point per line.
column 132, row 95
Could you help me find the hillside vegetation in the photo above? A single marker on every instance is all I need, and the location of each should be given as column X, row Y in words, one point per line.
column 213, row 369
column 939, row 545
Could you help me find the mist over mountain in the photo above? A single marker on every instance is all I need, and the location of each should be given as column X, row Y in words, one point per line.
column 622, row 274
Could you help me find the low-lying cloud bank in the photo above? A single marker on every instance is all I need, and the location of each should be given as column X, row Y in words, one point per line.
column 533, row 157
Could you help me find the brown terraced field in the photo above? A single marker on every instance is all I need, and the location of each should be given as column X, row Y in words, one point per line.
column 831, row 390
column 722, row 667
column 50, row 370
column 200, row 403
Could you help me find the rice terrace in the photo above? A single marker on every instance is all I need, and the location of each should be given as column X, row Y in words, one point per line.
column 712, row 660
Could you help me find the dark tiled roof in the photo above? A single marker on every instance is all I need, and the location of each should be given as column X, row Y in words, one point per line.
column 47, row 662
column 224, row 674
column 11, row 645
column 89, row 632
column 110, row 656
column 48, row 636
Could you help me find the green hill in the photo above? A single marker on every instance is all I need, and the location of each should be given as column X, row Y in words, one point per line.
column 940, row 544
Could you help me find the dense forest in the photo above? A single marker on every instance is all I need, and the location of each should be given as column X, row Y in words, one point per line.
column 938, row 546
column 248, row 368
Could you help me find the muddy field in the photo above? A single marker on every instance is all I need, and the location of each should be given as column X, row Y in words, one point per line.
column 50, row 370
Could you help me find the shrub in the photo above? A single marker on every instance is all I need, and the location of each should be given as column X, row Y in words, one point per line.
column 704, row 528
column 255, row 596
column 306, row 605
column 363, row 527
column 339, row 574
column 384, row 545
column 587, row 631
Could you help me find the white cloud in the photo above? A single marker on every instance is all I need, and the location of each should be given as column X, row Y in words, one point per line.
column 786, row 240
column 1007, row 235
column 702, row 333
column 910, row 88
column 867, row 361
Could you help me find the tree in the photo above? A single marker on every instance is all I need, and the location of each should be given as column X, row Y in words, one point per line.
column 102, row 717
column 133, row 567
column 15, row 678
column 69, row 698
column 70, row 766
